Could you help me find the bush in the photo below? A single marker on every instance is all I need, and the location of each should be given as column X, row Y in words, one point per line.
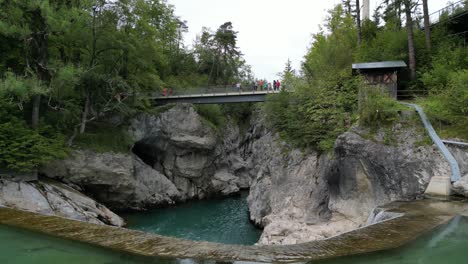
column 312, row 117
column 213, row 114
column 377, row 108
column 23, row 149
column 449, row 106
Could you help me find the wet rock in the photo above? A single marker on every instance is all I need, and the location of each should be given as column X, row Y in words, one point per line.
column 53, row 198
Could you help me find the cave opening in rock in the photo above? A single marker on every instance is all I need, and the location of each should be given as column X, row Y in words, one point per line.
column 145, row 152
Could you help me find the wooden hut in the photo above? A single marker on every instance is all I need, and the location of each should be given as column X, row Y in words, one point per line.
column 383, row 74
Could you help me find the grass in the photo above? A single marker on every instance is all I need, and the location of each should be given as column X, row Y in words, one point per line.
column 446, row 124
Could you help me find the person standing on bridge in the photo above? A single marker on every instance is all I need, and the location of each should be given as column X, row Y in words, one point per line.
column 265, row 85
column 274, row 85
column 255, row 85
column 239, row 87
column 278, row 85
column 269, row 87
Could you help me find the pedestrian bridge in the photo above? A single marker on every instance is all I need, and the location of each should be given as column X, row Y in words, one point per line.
column 212, row 95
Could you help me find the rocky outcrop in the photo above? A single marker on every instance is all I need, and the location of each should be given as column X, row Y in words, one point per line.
column 177, row 156
column 121, row 181
column 53, row 198
column 299, row 197
column 460, row 153
column 181, row 145
column 289, row 193
column 370, row 172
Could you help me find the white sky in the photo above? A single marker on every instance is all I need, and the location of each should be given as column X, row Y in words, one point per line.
column 270, row 31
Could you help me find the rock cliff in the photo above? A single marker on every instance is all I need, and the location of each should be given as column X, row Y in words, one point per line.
column 180, row 144
column 121, row 181
column 299, row 197
column 177, row 156
column 54, row 198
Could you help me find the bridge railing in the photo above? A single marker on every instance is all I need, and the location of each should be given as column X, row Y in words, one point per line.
column 446, row 12
column 206, row 91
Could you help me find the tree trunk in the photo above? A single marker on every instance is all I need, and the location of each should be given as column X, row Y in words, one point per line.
column 411, row 51
column 84, row 117
column 427, row 25
column 35, row 111
column 40, row 56
column 358, row 23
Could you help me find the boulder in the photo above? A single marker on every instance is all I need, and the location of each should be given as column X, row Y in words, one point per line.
column 54, row 198
column 121, row 181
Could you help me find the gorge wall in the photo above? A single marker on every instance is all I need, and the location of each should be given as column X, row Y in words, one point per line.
column 296, row 196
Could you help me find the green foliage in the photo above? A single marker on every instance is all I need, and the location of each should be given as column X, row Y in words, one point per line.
column 448, row 108
column 213, row 114
column 312, row 117
column 88, row 59
column 105, row 138
column 330, row 56
column 448, row 58
column 377, row 109
column 23, row 149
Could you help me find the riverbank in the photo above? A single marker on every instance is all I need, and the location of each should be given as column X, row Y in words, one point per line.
column 419, row 218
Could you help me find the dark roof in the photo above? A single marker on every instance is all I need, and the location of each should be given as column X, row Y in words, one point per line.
column 379, row 65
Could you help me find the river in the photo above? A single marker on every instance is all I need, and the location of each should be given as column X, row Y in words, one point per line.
column 223, row 220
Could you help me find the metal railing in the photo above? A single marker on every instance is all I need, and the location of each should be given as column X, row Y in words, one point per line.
column 440, row 145
column 411, row 94
column 447, row 12
column 209, row 91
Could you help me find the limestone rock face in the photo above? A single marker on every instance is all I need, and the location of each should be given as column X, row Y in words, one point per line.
column 121, row 181
column 298, row 197
column 289, row 191
column 53, row 198
column 180, row 144
column 369, row 173
column 460, row 153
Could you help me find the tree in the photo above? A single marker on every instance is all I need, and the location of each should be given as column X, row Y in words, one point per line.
column 26, row 22
column 427, row 25
column 218, row 54
column 409, row 28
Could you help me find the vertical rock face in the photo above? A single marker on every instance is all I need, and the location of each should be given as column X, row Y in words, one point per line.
column 300, row 197
column 289, row 193
column 181, row 145
column 53, row 198
column 460, row 153
column 369, row 173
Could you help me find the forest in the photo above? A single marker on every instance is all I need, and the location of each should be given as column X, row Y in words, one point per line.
column 325, row 101
column 67, row 65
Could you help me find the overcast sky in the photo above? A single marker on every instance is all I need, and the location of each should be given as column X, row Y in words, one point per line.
column 270, row 31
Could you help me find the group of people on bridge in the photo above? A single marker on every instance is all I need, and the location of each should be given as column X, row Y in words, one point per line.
column 267, row 86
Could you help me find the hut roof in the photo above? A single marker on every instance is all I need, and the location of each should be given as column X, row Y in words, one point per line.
column 379, row 65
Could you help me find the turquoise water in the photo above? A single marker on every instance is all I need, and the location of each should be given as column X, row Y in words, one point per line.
column 447, row 245
column 24, row 247
column 219, row 220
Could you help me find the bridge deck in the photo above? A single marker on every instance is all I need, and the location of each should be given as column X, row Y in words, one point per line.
column 215, row 97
